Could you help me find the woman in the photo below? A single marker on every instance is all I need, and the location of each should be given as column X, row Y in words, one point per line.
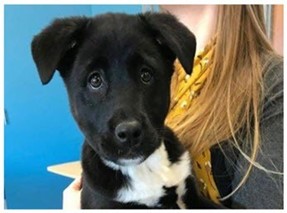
column 238, row 112
column 229, row 113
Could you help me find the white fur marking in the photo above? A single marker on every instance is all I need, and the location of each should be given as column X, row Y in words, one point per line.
column 123, row 163
column 130, row 162
column 181, row 191
column 148, row 178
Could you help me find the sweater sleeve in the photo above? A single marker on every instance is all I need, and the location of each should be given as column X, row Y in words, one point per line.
column 263, row 189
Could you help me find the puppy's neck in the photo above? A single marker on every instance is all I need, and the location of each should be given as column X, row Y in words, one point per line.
column 158, row 164
column 148, row 180
column 158, row 158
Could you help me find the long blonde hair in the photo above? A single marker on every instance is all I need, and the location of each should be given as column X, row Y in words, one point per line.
column 231, row 98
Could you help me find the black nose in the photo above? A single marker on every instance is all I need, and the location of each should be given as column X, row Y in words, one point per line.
column 128, row 131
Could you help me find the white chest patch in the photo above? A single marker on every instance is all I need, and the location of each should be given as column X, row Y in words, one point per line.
column 148, row 178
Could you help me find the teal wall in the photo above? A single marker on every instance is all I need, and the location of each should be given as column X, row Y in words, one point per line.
column 40, row 130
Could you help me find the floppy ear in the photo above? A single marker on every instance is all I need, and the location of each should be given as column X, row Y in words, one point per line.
column 55, row 47
column 170, row 32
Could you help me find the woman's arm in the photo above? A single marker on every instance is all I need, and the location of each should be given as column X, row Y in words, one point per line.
column 263, row 189
column 72, row 195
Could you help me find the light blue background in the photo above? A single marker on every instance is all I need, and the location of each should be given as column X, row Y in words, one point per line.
column 40, row 129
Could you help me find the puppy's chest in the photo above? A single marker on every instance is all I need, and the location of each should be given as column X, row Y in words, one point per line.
column 155, row 179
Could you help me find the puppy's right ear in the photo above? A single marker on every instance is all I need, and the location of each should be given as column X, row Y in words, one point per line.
column 55, row 47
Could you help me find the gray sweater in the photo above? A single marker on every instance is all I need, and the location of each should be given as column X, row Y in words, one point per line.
column 262, row 190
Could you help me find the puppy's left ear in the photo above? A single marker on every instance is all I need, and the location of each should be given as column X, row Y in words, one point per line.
column 168, row 31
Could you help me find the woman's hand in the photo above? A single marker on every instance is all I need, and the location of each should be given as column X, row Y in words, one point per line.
column 72, row 195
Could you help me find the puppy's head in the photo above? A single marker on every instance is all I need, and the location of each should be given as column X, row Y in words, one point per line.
column 117, row 70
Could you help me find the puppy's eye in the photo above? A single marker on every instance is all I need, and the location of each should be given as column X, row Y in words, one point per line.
column 95, row 80
column 146, row 75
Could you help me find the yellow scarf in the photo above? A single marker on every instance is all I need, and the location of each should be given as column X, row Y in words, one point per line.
column 188, row 89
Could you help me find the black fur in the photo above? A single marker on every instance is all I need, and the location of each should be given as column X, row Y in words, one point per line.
column 169, row 200
column 117, row 70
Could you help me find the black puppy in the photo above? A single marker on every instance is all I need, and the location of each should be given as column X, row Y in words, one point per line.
column 117, row 69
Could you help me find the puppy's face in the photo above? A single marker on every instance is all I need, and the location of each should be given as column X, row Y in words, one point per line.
column 117, row 70
column 119, row 90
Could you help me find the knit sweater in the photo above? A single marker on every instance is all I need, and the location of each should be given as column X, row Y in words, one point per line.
column 262, row 190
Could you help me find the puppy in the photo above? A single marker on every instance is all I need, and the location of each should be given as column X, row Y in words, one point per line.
column 117, row 70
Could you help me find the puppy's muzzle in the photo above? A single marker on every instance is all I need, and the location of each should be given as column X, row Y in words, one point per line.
column 128, row 133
